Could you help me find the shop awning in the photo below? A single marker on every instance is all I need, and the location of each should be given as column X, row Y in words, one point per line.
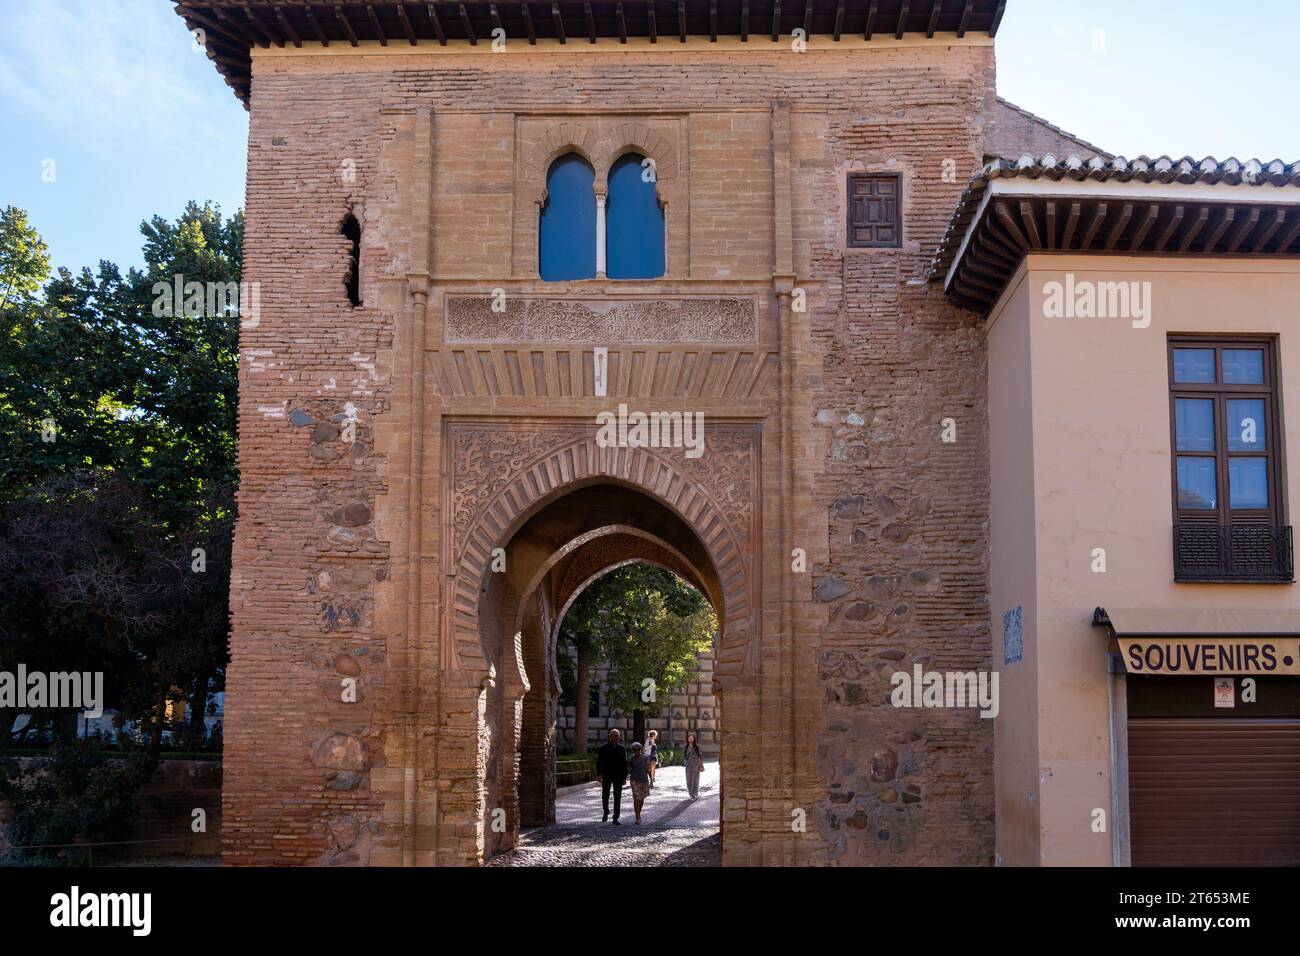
column 1204, row 641
column 1198, row 622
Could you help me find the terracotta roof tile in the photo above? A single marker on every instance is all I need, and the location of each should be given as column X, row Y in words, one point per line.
column 1162, row 169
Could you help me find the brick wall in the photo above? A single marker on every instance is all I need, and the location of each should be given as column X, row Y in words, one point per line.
column 1016, row 131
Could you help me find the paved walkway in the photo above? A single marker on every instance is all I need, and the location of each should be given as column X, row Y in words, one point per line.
column 674, row 830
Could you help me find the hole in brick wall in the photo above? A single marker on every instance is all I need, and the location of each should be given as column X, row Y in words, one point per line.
column 351, row 228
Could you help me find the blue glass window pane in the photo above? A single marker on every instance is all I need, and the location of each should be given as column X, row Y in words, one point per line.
column 1197, row 484
column 634, row 223
column 1243, row 366
column 1246, row 430
column 1193, row 365
column 1194, row 424
column 567, row 236
column 1247, row 482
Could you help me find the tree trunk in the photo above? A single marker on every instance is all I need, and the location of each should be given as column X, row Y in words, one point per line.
column 199, row 707
column 582, row 706
column 638, row 725
column 155, row 737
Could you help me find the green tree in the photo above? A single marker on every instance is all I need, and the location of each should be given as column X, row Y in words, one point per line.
column 648, row 626
column 116, row 401
column 24, row 257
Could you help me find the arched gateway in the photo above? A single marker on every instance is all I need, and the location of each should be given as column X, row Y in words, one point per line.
column 542, row 510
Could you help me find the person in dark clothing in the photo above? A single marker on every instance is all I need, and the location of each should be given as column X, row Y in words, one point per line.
column 611, row 771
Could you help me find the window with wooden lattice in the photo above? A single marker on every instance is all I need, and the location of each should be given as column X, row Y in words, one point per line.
column 1227, row 461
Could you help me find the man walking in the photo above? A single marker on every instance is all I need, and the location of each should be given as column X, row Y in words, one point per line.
column 611, row 771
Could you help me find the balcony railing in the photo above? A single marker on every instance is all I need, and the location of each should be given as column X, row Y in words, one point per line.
column 1253, row 553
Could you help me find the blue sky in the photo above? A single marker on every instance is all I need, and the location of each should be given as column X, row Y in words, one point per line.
column 138, row 123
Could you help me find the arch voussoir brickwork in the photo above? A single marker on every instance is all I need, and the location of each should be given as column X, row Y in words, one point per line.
column 502, row 472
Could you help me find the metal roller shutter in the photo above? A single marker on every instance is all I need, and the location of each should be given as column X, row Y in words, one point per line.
column 1206, row 792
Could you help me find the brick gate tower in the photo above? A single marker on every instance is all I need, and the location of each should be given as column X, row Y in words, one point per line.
column 476, row 228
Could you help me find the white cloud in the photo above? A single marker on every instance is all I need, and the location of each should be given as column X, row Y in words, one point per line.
column 110, row 71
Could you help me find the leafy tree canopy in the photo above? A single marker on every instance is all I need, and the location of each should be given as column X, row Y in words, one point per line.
column 24, row 257
column 647, row 625
column 117, row 459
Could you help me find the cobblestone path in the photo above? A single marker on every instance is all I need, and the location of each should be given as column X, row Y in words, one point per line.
column 674, row 830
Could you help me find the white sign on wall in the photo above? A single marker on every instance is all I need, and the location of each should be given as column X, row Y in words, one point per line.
column 1225, row 692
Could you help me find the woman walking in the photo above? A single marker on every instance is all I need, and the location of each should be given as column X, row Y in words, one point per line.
column 694, row 761
column 638, row 774
column 652, row 754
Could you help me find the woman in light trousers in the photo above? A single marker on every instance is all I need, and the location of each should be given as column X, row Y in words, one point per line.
column 694, row 766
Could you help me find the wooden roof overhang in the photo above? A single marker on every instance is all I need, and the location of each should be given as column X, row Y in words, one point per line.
column 232, row 27
column 1114, row 206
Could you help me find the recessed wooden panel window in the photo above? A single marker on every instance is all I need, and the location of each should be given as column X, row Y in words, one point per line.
column 875, row 211
column 1227, row 466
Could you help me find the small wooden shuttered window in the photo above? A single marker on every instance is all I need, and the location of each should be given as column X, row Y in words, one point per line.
column 875, row 211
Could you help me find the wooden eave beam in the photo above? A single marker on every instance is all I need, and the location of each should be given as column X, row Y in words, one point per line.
column 559, row 22
column 654, row 28
column 1175, row 220
column 467, row 24
column 316, row 28
column 1148, row 221
column 347, row 26
column 966, row 277
column 1125, row 214
column 776, row 21
column 1226, row 220
column 982, row 268
column 984, row 243
column 1071, row 223
column 744, row 21
column 528, row 24
column 260, row 27
column 839, row 21
column 870, row 26
column 591, row 22
column 406, row 23
column 1009, row 223
column 681, row 19
column 378, row 28
column 998, row 235
column 966, row 11
column 901, row 28
column 622, row 22
column 1279, row 216
column 437, row 24
column 288, row 28
column 1195, row 229
column 807, row 19
column 936, row 8
column 226, row 26
column 997, row 18
column 713, row 21
column 1030, row 220
column 1291, row 235
column 1245, row 229
column 1099, row 212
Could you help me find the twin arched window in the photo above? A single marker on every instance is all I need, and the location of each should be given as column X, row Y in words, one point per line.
column 574, row 222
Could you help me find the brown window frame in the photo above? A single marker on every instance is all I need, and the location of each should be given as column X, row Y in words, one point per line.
column 1224, row 517
column 850, row 224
